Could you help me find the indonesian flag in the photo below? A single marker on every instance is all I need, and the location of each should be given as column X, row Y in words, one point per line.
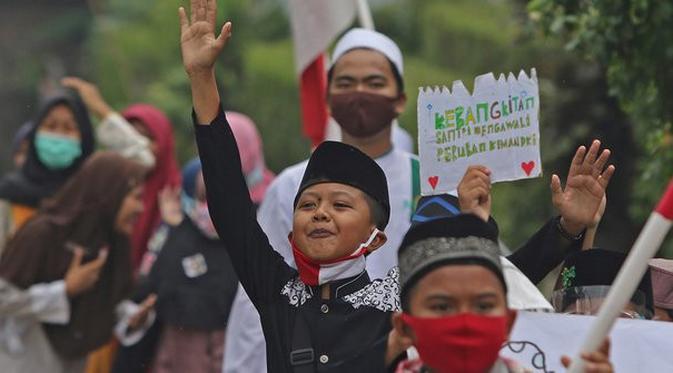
column 315, row 24
column 648, row 242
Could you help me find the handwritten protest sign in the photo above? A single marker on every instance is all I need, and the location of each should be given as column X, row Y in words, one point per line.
column 496, row 126
column 538, row 341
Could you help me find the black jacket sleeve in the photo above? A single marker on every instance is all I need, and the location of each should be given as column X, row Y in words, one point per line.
column 543, row 252
column 261, row 270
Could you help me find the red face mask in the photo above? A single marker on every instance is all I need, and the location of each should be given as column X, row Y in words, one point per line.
column 314, row 273
column 465, row 343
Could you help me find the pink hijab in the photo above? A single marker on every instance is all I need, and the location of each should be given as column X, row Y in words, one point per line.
column 257, row 176
column 165, row 173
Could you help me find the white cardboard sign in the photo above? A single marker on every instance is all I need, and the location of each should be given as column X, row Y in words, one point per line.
column 538, row 341
column 497, row 126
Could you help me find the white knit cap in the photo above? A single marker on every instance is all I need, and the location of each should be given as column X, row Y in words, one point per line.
column 369, row 39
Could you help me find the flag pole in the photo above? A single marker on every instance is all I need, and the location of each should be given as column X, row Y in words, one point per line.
column 365, row 15
column 648, row 242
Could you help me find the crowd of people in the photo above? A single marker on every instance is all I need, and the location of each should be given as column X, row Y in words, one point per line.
column 112, row 260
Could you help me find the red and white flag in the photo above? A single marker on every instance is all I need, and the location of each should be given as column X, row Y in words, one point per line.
column 315, row 24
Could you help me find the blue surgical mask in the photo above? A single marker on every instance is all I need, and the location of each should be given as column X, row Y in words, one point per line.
column 57, row 152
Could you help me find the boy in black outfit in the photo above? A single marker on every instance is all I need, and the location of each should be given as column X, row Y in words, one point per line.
column 327, row 315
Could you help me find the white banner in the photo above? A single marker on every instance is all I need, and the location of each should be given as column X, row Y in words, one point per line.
column 540, row 339
column 496, row 126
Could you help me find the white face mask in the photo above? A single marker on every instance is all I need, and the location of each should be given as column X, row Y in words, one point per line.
column 315, row 273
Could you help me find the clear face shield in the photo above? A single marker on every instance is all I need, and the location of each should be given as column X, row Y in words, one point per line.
column 586, row 300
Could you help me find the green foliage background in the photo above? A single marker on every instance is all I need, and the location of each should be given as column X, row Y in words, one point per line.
column 131, row 49
column 633, row 40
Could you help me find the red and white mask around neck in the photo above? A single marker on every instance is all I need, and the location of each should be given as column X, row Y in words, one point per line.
column 315, row 273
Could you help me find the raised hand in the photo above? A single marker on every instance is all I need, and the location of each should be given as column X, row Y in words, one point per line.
column 90, row 95
column 169, row 206
column 588, row 178
column 82, row 277
column 200, row 46
column 474, row 192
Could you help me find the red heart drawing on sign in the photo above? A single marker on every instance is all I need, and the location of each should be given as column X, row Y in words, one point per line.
column 528, row 167
column 433, row 180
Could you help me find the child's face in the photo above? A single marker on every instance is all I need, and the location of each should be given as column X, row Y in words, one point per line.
column 331, row 220
column 455, row 306
column 455, row 289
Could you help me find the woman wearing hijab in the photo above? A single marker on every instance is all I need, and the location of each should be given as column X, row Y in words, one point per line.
column 95, row 211
column 54, row 144
column 152, row 123
column 155, row 126
column 193, row 279
column 59, row 141
column 185, row 256
column 117, row 132
column 154, row 149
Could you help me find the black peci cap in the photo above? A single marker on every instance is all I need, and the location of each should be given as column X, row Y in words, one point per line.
column 336, row 162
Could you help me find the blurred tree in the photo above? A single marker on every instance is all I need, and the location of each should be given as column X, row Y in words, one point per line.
column 462, row 39
column 633, row 40
column 136, row 53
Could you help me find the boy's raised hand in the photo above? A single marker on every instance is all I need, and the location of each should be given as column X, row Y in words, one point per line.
column 474, row 192
column 200, row 46
column 588, row 178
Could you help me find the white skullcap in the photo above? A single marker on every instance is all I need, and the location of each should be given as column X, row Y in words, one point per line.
column 369, row 39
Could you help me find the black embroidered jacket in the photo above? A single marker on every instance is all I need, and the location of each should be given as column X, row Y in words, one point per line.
column 348, row 333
